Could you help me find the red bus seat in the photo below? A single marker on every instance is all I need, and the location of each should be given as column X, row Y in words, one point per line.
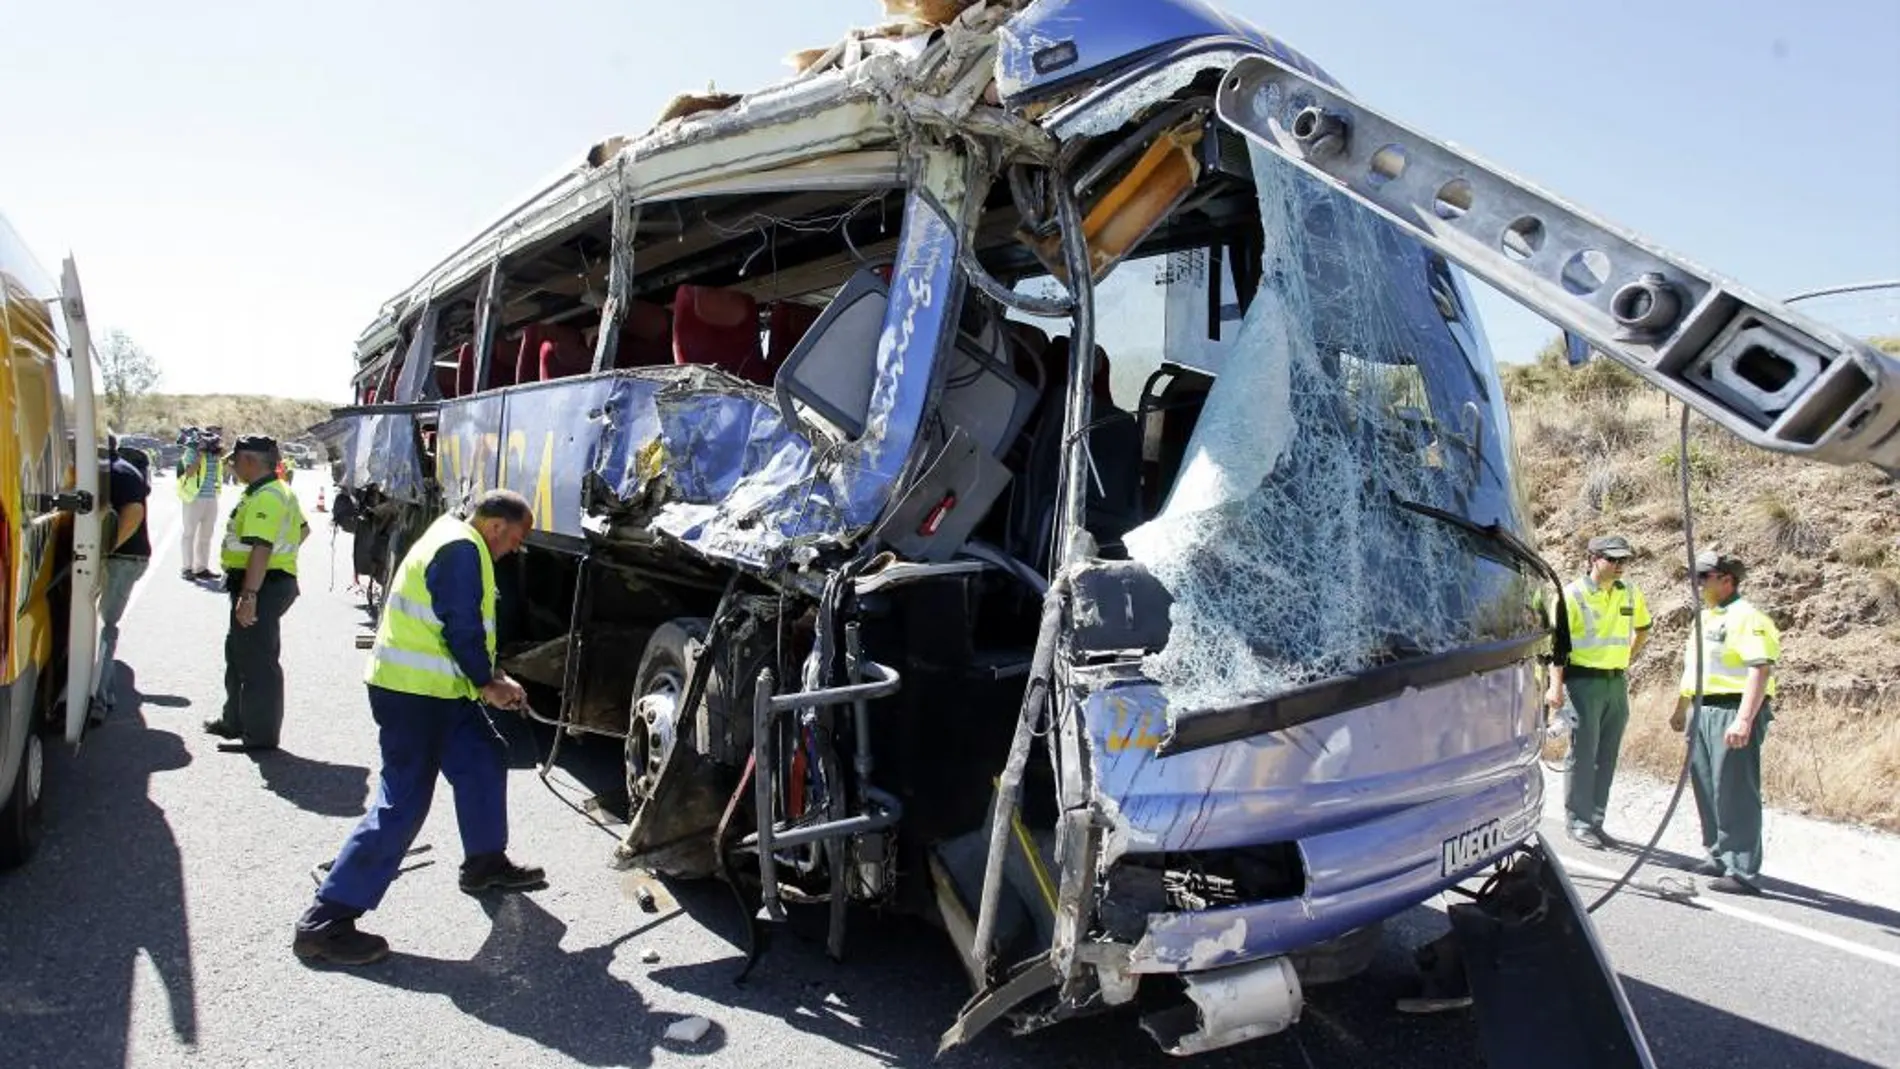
column 551, row 351
column 464, row 370
column 646, row 336
column 719, row 328
column 786, row 323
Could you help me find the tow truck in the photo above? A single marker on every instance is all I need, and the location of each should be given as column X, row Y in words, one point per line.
column 1039, row 467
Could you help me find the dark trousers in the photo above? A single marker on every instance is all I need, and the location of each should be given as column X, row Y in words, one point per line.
column 1602, row 704
column 253, row 678
column 1727, row 786
column 421, row 737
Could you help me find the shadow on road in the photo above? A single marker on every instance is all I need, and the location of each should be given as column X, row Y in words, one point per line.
column 71, row 934
column 150, row 701
column 522, row 982
column 315, row 786
column 1682, row 1031
column 1774, row 890
column 900, row 987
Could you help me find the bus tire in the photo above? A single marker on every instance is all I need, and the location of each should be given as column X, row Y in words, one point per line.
column 654, row 719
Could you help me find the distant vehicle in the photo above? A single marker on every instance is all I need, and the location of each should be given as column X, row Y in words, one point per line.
column 49, row 533
column 299, row 454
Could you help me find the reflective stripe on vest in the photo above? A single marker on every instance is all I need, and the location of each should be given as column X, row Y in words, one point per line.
column 285, row 533
column 411, row 654
column 1594, row 641
column 1724, row 671
column 425, row 612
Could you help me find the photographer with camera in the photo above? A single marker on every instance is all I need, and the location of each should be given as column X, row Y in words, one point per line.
column 200, row 477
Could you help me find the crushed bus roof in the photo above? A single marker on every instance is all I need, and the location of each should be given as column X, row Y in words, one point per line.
column 840, row 112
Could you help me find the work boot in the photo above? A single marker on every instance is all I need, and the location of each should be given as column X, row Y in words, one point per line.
column 1711, row 867
column 494, row 872
column 1603, row 837
column 1733, row 885
column 218, row 728
column 339, row 943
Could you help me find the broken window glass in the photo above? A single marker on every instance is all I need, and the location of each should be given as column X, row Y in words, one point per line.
column 1355, row 380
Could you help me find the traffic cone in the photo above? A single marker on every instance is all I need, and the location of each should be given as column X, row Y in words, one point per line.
column 320, row 507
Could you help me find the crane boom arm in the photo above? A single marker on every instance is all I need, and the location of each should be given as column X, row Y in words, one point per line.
column 1777, row 379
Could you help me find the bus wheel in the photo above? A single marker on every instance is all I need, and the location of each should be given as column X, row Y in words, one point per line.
column 653, row 722
column 22, row 815
column 674, row 795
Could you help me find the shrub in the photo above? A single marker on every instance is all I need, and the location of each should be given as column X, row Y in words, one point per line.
column 1703, row 464
column 1785, row 527
column 1861, row 550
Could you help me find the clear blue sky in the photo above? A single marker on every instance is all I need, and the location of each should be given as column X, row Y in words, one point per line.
column 244, row 183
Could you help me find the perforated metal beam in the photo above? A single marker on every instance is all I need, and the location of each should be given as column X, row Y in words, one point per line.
column 1777, row 379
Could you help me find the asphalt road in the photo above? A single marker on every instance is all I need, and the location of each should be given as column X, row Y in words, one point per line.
column 154, row 928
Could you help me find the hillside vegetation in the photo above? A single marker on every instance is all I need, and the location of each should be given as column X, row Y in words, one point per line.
column 163, row 414
column 1599, row 456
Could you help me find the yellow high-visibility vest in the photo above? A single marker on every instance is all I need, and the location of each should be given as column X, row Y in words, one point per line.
column 270, row 512
column 411, row 654
column 193, row 479
column 1603, row 622
column 1734, row 637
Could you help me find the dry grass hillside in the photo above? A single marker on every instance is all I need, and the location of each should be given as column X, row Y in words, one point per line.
column 1599, row 456
column 281, row 418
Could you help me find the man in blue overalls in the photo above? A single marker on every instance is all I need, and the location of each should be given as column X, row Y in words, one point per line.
column 431, row 670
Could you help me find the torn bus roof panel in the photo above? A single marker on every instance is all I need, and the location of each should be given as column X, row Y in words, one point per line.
column 807, row 118
column 376, row 450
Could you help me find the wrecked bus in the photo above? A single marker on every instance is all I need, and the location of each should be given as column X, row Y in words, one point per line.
column 1004, row 473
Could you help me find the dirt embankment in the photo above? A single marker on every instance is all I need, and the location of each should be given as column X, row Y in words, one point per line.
column 284, row 419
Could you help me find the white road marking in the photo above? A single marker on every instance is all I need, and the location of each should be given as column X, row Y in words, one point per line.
column 1716, row 905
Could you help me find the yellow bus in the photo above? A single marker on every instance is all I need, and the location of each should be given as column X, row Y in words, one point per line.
column 50, row 512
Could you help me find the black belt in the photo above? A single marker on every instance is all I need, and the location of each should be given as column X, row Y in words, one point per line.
column 1577, row 671
column 234, row 580
column 1723, row 701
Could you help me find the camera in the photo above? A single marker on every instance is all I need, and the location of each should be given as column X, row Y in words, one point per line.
column 204, row 439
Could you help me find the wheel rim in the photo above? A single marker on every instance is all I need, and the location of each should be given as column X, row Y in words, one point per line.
column 651, row 732
column 35, row 770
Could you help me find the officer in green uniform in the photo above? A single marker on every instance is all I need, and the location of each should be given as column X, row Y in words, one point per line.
column 261, row 540
column 1608, row 622
column 1740, row 646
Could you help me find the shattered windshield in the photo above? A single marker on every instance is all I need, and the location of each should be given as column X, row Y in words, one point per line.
column 1356, row 379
